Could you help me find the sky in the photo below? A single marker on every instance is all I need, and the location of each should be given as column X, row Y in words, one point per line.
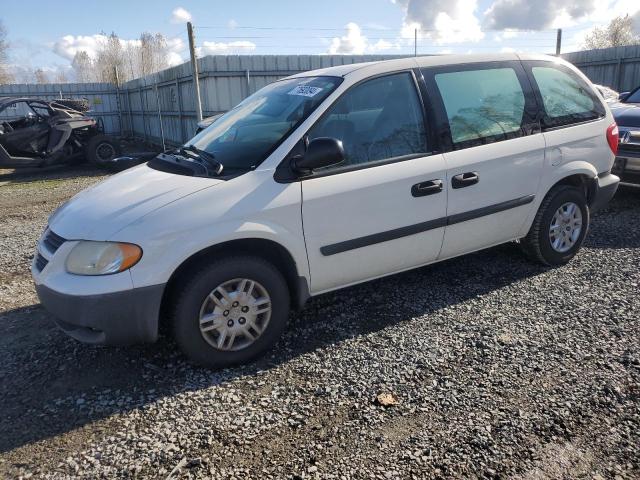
column 46, row 34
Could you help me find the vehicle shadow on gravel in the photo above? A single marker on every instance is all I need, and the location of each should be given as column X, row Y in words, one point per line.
column 51, row 384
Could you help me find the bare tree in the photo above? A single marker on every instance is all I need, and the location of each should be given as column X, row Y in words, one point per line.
column 133, row 59
column 83, row 66
column 153, row 53
column 61, row 77
column 5, row 73
column 41, row 76
column 619, row 32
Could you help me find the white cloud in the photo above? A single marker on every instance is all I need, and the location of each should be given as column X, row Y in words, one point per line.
column 538, row 15
column 69, row 45
column 506, row 35
column 354, row 42
column 382, row 45
column 232, row 24
column 180, row 15
column 217, row 48
column 444, row 21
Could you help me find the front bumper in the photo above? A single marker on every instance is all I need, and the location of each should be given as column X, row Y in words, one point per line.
column 627, row 164
column 605, row 187
column 119, row 318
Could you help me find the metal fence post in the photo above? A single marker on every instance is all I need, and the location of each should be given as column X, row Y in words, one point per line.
column 144, row 121
column 130, row 113
column 164, row 147
column 118, row 100
column 180, row 114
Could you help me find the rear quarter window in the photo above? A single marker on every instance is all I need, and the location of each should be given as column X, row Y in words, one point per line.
column 566, row 98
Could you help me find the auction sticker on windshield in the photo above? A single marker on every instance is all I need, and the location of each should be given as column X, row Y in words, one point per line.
column 305, row 91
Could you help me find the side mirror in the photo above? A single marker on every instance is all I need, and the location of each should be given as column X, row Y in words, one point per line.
column 623, row 96
column 321, row 152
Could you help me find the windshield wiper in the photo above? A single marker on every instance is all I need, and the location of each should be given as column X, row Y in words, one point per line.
column 215, row 166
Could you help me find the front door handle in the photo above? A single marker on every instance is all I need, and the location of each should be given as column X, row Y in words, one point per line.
column 426, row 188
column 465, row 179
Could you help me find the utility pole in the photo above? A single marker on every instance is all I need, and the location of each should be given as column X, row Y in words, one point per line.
column 194, row 69
column 415, row 42
column 559, row 42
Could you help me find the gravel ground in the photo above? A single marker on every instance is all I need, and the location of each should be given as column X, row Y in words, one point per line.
column 492, row 367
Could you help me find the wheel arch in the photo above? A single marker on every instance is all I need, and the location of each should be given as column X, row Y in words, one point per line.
column 269, row 250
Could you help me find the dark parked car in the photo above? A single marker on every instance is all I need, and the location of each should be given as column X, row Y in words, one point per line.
column 38, row 133
column 627, row 115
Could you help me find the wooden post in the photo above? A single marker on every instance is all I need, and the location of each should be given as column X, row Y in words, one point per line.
column 194, row 69
column 558, row 42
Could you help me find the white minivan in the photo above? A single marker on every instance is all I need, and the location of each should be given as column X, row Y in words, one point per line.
column 327, row 179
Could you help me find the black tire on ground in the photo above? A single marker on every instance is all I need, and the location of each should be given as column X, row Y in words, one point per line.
column 100, row 149
column 79, row 104
column 537, row 244
column 188, row 300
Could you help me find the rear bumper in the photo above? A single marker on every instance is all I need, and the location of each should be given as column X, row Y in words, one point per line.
column 121, row 318
column 605, row 187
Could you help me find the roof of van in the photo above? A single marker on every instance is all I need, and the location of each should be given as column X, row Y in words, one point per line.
column 427, row 61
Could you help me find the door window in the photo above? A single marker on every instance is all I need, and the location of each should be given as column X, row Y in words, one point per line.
column 376, row 120
column 482, row 105
column 566, row 98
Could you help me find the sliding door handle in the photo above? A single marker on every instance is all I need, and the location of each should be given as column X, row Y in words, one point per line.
column 426, row 188
column 465, row 180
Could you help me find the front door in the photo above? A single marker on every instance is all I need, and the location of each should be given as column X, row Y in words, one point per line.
column 384, row 209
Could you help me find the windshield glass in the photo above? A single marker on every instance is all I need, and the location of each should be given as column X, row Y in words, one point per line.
column 245, row 136
column 634, row 97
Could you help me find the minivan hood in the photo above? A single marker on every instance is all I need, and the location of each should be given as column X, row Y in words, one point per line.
column 100, row 211
column 626, row 114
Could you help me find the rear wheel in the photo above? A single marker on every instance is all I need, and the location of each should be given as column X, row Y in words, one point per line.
column 230, row 311
column 101, row 149
column 559, row 227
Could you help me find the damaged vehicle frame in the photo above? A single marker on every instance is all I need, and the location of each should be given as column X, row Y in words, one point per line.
column 39, row 133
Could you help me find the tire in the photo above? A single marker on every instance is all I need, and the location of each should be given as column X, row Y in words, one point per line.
column 538, row 243
column 100, row 149
column 79, row 104
column 193, row 300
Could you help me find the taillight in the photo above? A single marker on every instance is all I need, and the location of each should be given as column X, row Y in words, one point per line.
column 612, row 138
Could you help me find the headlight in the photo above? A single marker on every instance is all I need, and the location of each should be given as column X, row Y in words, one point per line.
column 102, row 258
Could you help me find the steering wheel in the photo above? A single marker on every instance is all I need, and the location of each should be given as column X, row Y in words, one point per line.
column 6, row 126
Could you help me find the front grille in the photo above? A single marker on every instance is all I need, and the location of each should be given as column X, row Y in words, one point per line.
column 629, row 147
column 41, row 262
column 52, row 241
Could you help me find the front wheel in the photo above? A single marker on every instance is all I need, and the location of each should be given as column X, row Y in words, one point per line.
column 230, row 311
column 559, row 227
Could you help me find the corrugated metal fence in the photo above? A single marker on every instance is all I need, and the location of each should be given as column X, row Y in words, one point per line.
column 618, row 67
column 162, row 104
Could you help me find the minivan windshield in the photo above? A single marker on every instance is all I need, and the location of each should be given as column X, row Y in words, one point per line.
column 243, row 137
